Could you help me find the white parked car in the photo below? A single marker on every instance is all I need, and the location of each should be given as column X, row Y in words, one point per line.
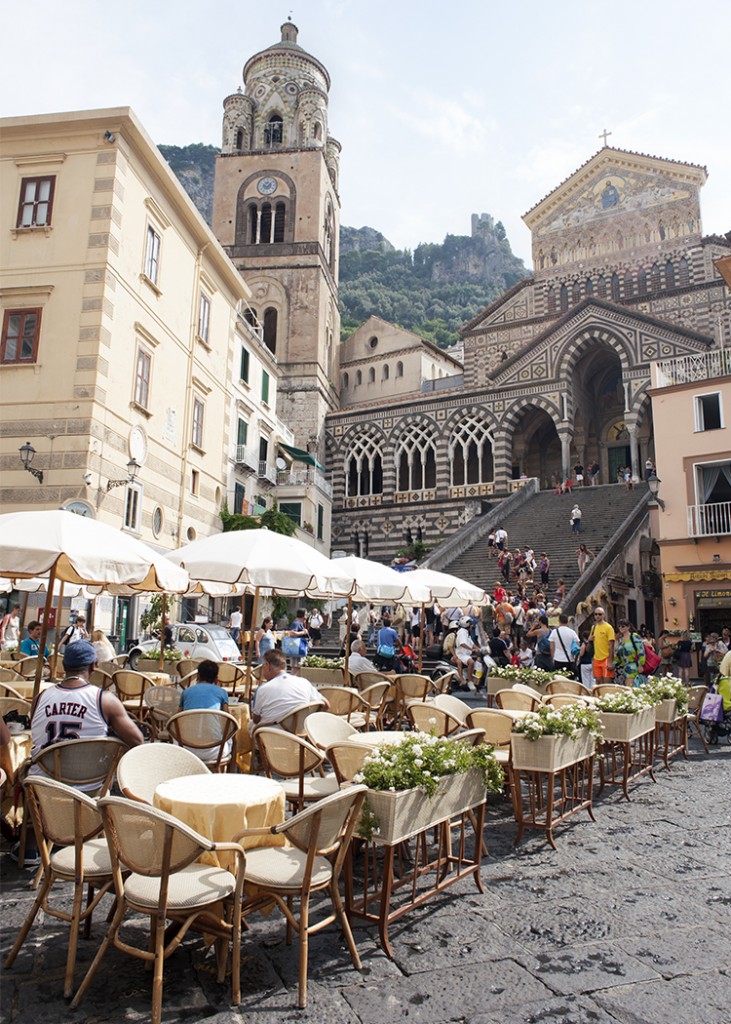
column 193, row 641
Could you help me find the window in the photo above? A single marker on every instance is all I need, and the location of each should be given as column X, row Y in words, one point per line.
column 21, row 328
column 551, row 300
column 358, row 377
column 628, row 285
column 142, row 378
column 669, row 274
column 265, row 387
column 204, row 317
column 470, row 453
column 614, row 286
column 708, row 412
column 346, row 380
column 152, row 255
column 364, row 465
column 655, row 278
column 36, row 202
column 260, row 504
column 371, row 375
column 244, row 372
column 588, row 287
column 197, row 426
column 576, row 293
column 601, row 287
column 133, row 507
column 416, row 458
column 270, row 329
column 158, row 519
column 242, row 430
column 385, row 372
column 195, row 482
column 564, row 299
column 642, row 281
column 263, row 449
column 683, row 273
column 320, row 522
column 239, row 498
column 399, row 369
column 293, row 509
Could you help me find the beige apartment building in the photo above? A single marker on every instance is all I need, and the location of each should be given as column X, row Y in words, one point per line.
column 691, row 520
column 130, row 362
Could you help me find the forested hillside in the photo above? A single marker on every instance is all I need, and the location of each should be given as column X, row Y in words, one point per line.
column 432, row 290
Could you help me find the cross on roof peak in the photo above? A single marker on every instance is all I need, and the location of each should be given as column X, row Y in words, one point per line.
column 605, row 135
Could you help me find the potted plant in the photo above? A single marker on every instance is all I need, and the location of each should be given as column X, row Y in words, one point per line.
column 151, row 661
column 672, row 695
column 323, row 671
column 550, row 739
column 627, row 714
column 421, row 781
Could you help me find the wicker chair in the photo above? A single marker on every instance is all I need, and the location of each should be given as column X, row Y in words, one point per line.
column 9, row 675
column 514, row 700
column 376, row 696
column 346, row 702
column 19, row 704
column 87, row 765
column 696, row 695
column 163, row 702
column 457, row 708
column 347, row 759
column 294, row 722
column 165, row 884
column 431, row 719
column 230, row 675
column 26, row 667
column 142, row 769
column 294, row 761
column 363, row 680
column 563, row 700
column 472, row 736
column 63, row 817
column 187, row 680
column 101, row 678
column 319, row 838
column 410, row 687
column 567, row 686
column 187, row 665
column 6, row 690
column 208, row 734
column 441, row 684
column 323, row 729
column 497, row 727
column 530, row 691
column 131, row 687
column 602, row 689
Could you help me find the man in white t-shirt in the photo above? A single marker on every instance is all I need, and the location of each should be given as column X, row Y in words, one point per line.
column 561, row 639
column 357, row 662
column 234, row 625
column 280, row 693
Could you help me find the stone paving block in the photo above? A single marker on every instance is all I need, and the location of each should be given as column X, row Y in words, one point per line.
column 445, row 995
column 563, row 1010
column 588, row 968
column 683, row 950
column 705, row 999
column 449, row 940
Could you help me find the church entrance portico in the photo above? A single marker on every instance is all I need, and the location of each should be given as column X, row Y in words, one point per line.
column 536, row 446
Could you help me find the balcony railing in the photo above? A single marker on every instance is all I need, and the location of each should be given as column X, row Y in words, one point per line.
column 244, row 456
column 267, row 472
column 710, row 520
column 688, row 369
column 304, row 478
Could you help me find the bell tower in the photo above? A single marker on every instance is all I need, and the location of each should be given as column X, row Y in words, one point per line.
column 276, row 211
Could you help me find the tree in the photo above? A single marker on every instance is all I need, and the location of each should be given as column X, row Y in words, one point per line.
column 273, row 519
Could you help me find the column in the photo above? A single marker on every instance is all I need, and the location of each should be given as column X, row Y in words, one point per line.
column 633, row 448
column 502, row 461
column 565, row 437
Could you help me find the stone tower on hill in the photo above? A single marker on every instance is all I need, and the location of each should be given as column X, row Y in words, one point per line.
column 276, row 211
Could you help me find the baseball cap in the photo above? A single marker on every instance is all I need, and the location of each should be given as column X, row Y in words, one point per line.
column 79, row 654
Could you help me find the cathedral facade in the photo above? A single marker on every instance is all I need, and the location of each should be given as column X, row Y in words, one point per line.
column 556, row 371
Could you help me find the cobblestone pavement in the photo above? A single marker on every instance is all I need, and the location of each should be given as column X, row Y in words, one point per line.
column 628, row 921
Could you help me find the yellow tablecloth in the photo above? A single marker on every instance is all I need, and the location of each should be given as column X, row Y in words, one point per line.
column 219, row 806
column 160, row 678
column 244, row 746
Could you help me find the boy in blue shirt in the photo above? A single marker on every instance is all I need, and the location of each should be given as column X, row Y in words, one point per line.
column 205, row 695
column 31, row 645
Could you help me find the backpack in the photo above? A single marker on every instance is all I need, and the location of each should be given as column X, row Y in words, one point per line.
column 544, row 644
column 449, row 642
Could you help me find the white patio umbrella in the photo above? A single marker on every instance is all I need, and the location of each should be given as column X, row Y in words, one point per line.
column 264, row 561
column 448, row 589
column 74, row 549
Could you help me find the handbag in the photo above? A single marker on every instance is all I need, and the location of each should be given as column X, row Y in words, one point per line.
column 294, row 646
column 386, row 650
column 652, row 659
column 712, row 710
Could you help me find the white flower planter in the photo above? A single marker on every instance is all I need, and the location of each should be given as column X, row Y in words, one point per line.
column 550, row 753
column 666, row 712
column 621, row 727
column 323, row 676
column 153, row 665
column 402, row 815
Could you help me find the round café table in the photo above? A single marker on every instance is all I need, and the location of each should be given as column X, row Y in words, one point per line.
column 220, row 806
column 244, row 746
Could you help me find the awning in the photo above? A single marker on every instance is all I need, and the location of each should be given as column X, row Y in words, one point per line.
column 299, row 456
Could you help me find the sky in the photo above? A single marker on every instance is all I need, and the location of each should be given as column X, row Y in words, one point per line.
column 442, row 109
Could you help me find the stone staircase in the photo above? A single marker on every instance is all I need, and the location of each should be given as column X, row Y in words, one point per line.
column 543, row 522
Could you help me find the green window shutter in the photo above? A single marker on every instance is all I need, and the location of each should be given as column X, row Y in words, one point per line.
column 265, row 387
column 243, row 429
column 245, row 365
column 320, row 522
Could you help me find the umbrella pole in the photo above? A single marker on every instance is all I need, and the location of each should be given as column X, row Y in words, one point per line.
column 162, row 631
column 243, row 622
column 346, row 672
column 421, row 637
column 44, row 632
column 59, row 616
column 252, row 627
column 23, row 614
column 92, row 615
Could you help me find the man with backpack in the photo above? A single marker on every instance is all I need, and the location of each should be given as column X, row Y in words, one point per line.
column 565, row 646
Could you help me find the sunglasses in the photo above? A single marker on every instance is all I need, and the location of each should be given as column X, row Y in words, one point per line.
column 598, row 615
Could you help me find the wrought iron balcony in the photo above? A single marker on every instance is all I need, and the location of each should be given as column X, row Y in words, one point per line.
column 248, row 457
column 267, row 472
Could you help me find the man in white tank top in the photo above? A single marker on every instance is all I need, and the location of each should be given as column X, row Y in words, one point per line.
column 76, row 709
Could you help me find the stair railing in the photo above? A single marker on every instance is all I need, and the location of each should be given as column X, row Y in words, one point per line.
column 468, row 535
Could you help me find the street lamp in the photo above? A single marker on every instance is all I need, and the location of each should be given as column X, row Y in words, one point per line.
column 27, row 453
column 653, row 482
column 133, row 468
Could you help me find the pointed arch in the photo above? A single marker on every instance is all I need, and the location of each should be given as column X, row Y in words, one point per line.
column 363, row 462
column 416, row 456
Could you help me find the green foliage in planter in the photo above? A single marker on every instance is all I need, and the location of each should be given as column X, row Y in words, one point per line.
column 421, row 761
column 528, row 676
column 668, row 687
column 566, row 721
column 273, row 519
column 169, row 654
column 315, row 661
